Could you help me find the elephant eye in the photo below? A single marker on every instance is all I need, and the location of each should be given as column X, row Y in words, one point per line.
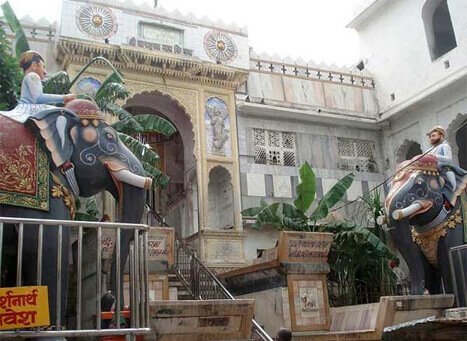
column 110, row 136
column 419, row 181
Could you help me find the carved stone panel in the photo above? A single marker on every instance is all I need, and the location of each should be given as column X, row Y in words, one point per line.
column 217, row 124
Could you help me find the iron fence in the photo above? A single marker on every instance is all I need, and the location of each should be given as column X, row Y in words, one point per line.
column 364, row 293
column 60, row 229
column 458, row 261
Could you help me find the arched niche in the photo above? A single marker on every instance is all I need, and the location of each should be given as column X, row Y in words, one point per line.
column 438, row 28
column 407, row 150
column 457, row 138
column 221, row 199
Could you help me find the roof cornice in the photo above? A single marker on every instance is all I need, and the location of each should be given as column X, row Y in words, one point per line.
column 134, row 59
column 366, row 12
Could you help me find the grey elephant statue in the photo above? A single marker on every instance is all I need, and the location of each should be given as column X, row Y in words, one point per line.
column 32, row 187
column 426, row 220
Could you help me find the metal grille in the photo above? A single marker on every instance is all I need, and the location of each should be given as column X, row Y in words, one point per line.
column 138, row 294
column 275, row 147
column 357, row 155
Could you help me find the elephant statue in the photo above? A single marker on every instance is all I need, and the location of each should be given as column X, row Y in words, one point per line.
column 101, row 162
column 424, row 223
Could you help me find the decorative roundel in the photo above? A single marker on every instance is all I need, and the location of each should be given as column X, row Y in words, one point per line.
column 220, row 46
column 96, row 21
column 88, row 86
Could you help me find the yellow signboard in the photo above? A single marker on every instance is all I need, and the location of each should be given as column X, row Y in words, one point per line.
column 24, row 307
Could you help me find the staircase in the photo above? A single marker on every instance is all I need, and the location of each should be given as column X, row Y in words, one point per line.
column 177, row 290
column 200, row 293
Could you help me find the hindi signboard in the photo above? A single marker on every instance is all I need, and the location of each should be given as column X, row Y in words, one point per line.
column 24, row 307
column 300, row 247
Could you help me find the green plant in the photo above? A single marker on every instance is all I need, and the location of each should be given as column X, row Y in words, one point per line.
column 20, row 43
column 10, row 74
column 355, row 253
column 286, row 216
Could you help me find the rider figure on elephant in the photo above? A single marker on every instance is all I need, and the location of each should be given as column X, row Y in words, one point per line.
column 452, row 174
column 35, row 104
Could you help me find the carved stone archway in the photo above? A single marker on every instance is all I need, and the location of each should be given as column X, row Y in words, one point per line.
column 407, row 150
column 177, row 201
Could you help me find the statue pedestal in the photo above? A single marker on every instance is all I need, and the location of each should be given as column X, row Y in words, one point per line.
column 288, row 283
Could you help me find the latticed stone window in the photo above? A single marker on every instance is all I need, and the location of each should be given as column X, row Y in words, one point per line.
column 275, row 147
column 357, row 155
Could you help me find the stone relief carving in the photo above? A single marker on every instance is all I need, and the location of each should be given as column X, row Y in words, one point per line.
column 217, row 125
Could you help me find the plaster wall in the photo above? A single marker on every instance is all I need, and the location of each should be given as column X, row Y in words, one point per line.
column 316, row 143
column 129, row 18
column 255, row 240
column 395, row 50
column 445, row 108
column 313, row 93
column 272, row 308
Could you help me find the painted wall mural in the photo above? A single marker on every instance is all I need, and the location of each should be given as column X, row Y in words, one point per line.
column 217, row 125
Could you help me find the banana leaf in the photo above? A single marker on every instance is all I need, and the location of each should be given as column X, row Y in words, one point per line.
column 20, row 43
column 109, row 93
column 58, row 83
column 140, row 150
column 332, row 197
column 153, row 123
column 268, row 216
column 306, row 190
column 159, row 179
column 115, row 77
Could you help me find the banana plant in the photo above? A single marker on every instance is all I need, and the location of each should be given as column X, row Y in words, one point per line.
column 355, row 252
column 10, row 74
column 294, row 217
column 20, row 43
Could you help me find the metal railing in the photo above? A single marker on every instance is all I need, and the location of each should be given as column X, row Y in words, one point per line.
column 458, row 261
column 31, row 233
column 201, row 282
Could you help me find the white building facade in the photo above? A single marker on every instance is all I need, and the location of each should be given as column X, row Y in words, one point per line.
column 364, row 120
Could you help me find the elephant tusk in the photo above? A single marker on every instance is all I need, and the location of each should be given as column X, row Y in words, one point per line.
column 405, row 212
column 382, row 219
column 130, row 178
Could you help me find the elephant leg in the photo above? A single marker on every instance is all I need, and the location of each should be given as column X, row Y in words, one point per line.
column 9, row 256
column 412, row 255
column 50, row 266
column 453, row 238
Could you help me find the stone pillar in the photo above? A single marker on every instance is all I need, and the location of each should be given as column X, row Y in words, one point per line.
column 288, row 283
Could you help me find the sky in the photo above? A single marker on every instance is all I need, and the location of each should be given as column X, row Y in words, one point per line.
column 307, row 29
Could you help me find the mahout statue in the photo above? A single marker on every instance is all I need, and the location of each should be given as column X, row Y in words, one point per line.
column 424, row 209
column 36, row 141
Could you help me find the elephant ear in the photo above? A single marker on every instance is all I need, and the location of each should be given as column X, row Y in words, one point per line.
column 54, row 126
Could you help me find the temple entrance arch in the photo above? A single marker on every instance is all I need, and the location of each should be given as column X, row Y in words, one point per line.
column 457, row 138
column 178, row 202
column 408, row 150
